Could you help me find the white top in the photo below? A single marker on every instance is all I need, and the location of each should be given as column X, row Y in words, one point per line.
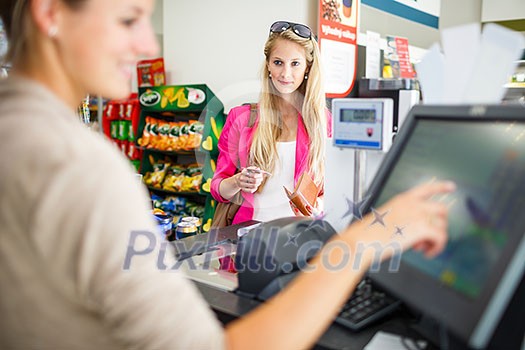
column 272, row 202
column 69, row 205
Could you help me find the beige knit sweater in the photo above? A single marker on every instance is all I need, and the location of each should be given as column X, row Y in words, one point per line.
column 68, row 204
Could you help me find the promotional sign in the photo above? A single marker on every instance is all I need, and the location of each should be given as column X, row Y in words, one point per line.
column 396, row 54
column 151, row 72
column 338, row 43
column 421, row 11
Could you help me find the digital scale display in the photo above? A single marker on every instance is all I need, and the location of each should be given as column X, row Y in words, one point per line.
column 358, row 115
column 363, row 123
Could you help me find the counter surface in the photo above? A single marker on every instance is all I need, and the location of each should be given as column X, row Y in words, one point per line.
column 228, row 306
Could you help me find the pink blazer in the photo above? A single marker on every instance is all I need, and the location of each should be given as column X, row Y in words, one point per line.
column 234, row 146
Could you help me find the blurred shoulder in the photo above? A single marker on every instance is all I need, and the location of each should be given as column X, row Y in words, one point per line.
column 41, row 134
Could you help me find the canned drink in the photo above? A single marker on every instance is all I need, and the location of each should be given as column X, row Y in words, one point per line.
column 185, row 229
column 194, row 220
column 165, row 224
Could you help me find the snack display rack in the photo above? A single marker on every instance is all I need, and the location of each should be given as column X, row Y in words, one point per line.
column 177, row 134
column 120, row 121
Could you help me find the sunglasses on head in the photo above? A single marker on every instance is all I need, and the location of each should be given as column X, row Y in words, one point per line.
column 299, row 29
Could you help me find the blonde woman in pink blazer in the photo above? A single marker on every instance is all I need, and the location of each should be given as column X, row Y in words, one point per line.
column 288, row 135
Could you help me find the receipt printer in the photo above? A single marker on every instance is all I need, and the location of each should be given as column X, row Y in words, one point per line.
column 270, row 255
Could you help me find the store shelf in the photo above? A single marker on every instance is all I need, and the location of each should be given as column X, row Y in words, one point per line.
column 172, row 153
column 174, row 193
column 180, row 116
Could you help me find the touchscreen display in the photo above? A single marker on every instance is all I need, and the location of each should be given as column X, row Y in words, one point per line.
column 486, row 160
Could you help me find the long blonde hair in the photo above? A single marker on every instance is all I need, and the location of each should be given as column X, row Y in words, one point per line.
column 263, row 152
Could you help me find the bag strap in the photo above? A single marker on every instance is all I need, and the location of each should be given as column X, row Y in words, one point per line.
column 253, row 114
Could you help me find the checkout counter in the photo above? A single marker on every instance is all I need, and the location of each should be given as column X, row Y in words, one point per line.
column 470, row 296
column 229, row 306
column 208, row 267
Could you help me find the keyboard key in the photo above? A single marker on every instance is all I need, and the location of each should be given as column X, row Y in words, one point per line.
column 365, row 306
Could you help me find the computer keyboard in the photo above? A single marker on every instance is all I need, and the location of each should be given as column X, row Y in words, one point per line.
column 366, row 305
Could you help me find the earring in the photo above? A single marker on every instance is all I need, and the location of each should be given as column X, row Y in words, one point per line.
column 270, row 75
column 306, row 77
column 52, row 31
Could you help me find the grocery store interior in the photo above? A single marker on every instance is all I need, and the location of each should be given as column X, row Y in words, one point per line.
column 456, row 74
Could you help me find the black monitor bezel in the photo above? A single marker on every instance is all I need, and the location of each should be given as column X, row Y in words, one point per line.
column 469, row 316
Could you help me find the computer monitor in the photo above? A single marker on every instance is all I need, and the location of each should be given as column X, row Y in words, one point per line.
column 482, row 149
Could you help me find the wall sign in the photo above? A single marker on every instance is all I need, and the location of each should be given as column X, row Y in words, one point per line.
column 397, row 54
column 338, row 43
column 421, row 11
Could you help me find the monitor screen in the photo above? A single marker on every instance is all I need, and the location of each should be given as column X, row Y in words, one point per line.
column 485, row 156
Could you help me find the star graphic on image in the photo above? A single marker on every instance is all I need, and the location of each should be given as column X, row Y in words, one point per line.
column 354, row 209
column 292, row 239
column 319, row 222
column 379, row 218
column 399, row 231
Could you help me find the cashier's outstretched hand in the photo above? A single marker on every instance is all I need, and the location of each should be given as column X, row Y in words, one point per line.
column 417, row 218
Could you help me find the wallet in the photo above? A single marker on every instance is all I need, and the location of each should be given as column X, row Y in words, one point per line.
column 305, row 193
